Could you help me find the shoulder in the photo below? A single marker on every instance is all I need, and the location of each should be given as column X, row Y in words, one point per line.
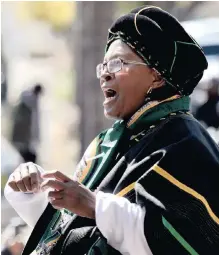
column 185, row 133
column 190, row 139
column 185, row 125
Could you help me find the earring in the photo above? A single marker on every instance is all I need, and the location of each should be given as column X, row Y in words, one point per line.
column 147, row 97
column 149, row 91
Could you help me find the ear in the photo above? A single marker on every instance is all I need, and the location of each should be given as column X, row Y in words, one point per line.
column 158, row 80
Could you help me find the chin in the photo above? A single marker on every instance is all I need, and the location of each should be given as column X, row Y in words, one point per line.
column 112, row 116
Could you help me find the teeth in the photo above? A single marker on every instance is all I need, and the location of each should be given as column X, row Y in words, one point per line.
column 109, row 98
column 110, row 93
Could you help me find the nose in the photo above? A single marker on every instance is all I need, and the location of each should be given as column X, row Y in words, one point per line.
column 106, row 76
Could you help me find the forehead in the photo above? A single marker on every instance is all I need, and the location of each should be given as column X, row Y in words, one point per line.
column 119, row 49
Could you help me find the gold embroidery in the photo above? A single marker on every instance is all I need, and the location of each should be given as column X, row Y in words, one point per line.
column 147, row 107
column 90, row 153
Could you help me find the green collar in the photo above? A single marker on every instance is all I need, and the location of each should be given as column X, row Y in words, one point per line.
column 112, row 140
column 154, row 111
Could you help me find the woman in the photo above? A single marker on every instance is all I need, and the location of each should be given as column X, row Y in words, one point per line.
column 147, row 185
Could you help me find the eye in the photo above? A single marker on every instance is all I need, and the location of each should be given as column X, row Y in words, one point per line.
column 115, row 61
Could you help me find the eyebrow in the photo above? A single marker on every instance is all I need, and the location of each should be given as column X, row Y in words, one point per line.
column 118, row 55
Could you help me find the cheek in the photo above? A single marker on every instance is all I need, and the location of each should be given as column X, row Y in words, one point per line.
column 126, row 82
column 122, row 77
column 131, row 86
column 131, row 98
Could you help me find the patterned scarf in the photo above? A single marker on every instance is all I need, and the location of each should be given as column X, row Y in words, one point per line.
column 104, row 148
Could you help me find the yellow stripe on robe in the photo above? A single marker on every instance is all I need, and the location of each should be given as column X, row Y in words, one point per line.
column 187, row 189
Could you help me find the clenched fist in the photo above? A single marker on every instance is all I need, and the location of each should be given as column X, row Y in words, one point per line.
column 26, row 178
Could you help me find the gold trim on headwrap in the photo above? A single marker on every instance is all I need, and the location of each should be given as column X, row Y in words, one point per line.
column 111, row 32
column 135, row 20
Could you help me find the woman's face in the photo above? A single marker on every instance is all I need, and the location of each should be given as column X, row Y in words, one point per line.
column 130, row 85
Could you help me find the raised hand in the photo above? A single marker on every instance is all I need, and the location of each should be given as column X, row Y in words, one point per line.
column 26, row 178
column 69, row 194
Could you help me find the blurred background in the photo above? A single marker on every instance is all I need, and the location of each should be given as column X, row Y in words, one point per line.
column 51, row 104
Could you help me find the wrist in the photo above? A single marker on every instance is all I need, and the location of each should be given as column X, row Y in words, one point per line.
column 91, row 205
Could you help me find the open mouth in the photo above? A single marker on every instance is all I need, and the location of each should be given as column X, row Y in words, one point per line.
column 109, row 94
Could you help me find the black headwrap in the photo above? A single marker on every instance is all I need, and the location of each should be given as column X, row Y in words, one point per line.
column 160, row 40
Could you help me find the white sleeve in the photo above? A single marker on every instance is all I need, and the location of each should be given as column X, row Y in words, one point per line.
column 122, row 224
column 29, row 206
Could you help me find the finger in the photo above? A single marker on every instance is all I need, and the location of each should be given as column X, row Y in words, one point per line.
column 56, row 194
column 19, row 181
column 12, row 183
column 25, row 177
column 56, row 174
column 57, row 204
column 55, row 184
column 34, row 177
